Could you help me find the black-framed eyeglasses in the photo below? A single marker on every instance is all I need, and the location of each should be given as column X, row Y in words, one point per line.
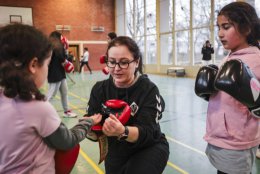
column 121, row 64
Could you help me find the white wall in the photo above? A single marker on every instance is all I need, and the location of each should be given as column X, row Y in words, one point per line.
column 25, row 13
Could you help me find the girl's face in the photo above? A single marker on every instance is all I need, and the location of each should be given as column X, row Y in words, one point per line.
column 40, row 72
column 123, row 77
column 229, row 35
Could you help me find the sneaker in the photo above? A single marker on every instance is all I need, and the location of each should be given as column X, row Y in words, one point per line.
column 69, row 114
column 258, row 153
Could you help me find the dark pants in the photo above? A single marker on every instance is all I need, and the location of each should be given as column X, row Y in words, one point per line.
column 85, row 63
column 150, row 160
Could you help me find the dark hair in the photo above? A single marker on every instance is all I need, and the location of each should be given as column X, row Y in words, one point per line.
column 245, row 16
column 55, row 39
column 132, row 47
column 86, row 48
column 19, row 44
column 55, row 34
column 58, row 47
column 112, row 35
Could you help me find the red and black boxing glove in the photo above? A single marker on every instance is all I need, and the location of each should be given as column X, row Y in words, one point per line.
column 102, row 60
column 65, row 42
column 117, row 107
column 68, row 66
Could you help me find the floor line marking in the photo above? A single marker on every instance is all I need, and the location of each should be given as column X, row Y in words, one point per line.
column 185, row 145
column 76, row 96
column 90, row 161
column 177, row 168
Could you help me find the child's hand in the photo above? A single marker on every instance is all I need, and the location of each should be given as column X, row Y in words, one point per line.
column 96, row 118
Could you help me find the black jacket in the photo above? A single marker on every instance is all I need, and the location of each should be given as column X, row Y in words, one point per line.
column 56, row 70
column 146, row 96
column 207, row 51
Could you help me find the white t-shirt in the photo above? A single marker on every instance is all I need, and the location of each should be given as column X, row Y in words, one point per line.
column 85, row 56
column 22, row 126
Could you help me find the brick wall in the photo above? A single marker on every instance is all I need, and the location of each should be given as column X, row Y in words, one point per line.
column 79, row 14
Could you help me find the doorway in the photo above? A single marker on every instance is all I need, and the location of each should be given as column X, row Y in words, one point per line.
column 74, row 49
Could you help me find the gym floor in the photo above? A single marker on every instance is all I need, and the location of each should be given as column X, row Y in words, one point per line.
column 183, row 123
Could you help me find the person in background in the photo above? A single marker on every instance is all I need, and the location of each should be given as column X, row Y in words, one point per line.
column 206, row 51
column 84, row 60
column 30, row 127
column 139, row 146
column 70, row 57
column 232, row 128
column 111, row 36
column 57, row 76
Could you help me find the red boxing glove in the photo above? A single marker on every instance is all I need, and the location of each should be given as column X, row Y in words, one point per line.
column 65, row 42
column 65, row 160
column 102, row 60
column 69, row 67
column 117, row 107
column 105, row 70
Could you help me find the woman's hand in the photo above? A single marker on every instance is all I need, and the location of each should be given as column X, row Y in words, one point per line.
column 112, row 126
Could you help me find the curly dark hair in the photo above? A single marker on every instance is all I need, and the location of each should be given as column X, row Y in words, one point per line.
column 19, row 44
column 245, row 16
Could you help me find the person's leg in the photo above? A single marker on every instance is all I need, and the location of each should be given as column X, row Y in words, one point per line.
column 64, row 99
column 151, row 160
column 115, row 165
column 52, row 90
column 88, row 68
column 81, row 65
column 64, row 95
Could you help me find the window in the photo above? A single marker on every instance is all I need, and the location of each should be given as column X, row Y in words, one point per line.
column 199, row 38
column 166, row 49
column 182, row 48
column 151, row 47
column 182, row 15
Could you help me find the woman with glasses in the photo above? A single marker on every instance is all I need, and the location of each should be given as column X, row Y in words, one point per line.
column 139, row 146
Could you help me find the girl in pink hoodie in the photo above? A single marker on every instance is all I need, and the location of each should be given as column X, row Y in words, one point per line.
column 232, row 133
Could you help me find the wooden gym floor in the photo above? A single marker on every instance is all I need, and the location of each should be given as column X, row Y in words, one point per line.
column 183, row 123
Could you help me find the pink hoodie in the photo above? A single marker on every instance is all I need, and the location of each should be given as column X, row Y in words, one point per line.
column 230, row 125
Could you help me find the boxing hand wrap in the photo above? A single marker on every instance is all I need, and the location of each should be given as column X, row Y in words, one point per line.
column 117, row 107
column 236, row 79
column 68, row 66
column 204, row 84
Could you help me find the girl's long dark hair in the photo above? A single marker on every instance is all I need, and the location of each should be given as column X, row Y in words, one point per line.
column 245, row 16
